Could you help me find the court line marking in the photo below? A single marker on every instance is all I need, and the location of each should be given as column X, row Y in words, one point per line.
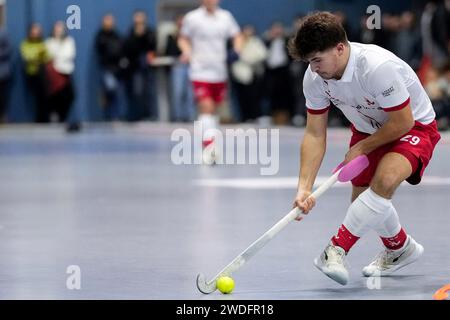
column 291, row 182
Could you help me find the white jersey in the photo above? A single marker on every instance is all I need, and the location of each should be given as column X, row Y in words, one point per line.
column 208, row 33
column 375, row 81
column 63, row 52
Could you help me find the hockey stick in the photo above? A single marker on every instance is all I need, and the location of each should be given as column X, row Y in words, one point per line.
column 343, row 173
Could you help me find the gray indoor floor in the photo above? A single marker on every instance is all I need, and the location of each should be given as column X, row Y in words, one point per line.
column 110, row 201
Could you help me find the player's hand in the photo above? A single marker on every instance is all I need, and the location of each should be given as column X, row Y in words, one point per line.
column 150, row 57
column 185, row 58
column 304, row 202
column 355, row 151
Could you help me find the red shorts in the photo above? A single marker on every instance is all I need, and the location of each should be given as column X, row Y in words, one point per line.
column 417, row 146
column 214, row 91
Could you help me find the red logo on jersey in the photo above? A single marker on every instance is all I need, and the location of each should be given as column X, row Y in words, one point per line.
column 370, row 103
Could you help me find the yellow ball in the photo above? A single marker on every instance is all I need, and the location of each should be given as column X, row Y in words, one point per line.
column 225, row 284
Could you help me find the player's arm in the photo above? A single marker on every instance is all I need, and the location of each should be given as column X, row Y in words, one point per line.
column 238, row 42
column 400, row 122
column 390, row 91
column 184, row 43
column 235, row 34
column 313, row 147
column 312, row 151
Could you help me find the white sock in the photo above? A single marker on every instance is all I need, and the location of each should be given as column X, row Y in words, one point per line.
column 216, row 121
column 390, row 226
column 209, row 124
column 366, row 212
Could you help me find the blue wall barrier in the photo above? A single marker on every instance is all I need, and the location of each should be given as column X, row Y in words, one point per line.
column 20, row 13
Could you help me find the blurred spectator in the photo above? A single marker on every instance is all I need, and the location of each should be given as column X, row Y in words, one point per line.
column 390, row 27
column 61, row 50
column 108, row 45
column 425, row 28
column 297, row 72
column 277, row 74
column 248, row 73
column 440, row 33
column 408, row 46
column 183, row 104
column 372, row 36
column 139, row 50
column 438, row 89
column 5, row 73
column 35, row 56
column 365, row 35
column 351, row 36
column 427, row 41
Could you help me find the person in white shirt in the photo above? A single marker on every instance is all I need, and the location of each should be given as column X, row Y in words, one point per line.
column 248, row 74
column 203, row 42
column 393, row 123
column 62, row 51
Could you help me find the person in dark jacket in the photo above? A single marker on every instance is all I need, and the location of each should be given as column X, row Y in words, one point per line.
column 440, row 33
column 108, row 43
column 408, row 45
column 182, row 96
column 5, row 72
column 139, row 49
column 277, row 75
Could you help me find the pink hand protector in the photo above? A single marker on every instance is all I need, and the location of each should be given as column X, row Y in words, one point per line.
column 352, row 169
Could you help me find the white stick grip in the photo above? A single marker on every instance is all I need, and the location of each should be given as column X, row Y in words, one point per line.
column 325, row 186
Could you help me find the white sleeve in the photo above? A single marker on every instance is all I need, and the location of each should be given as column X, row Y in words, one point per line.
column 388, row 87
column 233, row 28
column 71, row 50
column 186, row 27
column 317, row 101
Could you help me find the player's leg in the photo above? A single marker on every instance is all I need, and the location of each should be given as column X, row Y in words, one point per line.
column 206, row 96
column 392, row 170
column 356, row 191
column 400, row 248
column 207, row 106
column 366, row 212
column 206, row 110
column 332, row 260
column 207, row 117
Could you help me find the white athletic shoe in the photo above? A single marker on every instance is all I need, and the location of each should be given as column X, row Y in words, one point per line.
column 389, row 261
column 209, row 153
column 332, row 263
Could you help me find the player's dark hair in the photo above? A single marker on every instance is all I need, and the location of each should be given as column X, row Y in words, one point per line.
column 317, row 32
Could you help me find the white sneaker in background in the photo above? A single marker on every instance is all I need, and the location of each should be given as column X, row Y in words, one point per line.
column 209, row 152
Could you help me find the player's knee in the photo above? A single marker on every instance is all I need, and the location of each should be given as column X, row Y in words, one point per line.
column 356, row 191
column 384, row 184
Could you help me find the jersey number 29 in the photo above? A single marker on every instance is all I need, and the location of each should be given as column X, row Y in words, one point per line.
column 414, row 140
